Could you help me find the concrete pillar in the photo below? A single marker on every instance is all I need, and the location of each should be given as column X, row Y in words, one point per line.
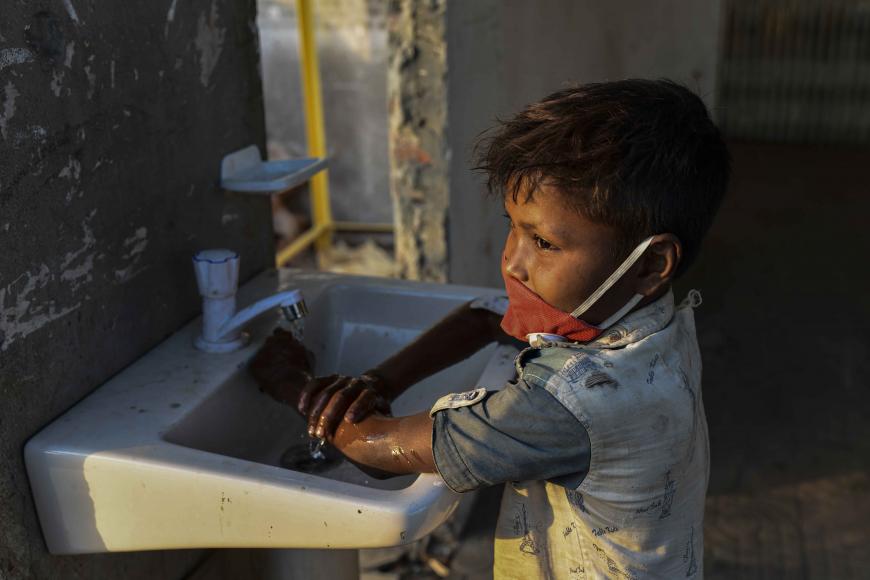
column 417, row 97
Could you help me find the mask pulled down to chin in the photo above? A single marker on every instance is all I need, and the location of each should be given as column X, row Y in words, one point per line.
column 529, row 314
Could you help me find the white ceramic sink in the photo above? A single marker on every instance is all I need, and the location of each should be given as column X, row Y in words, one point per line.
column 181, row 450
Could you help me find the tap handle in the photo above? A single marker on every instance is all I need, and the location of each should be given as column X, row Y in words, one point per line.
column 217, row 272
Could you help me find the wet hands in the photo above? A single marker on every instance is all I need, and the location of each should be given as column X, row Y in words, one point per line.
column 282, row 367
column 326, row 401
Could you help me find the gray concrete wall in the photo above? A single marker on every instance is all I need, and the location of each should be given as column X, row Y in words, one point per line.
column 504, row 54
column 113, row 121
column 419, row 155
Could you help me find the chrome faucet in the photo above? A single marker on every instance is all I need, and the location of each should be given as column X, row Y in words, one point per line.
column 217, row 275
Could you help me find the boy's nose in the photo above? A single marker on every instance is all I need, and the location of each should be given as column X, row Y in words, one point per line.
column 513, row 267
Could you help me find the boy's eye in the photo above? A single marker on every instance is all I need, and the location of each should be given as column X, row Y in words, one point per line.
column 543, row 244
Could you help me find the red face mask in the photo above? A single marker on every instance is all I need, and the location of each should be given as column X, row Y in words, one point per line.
column 529, row 314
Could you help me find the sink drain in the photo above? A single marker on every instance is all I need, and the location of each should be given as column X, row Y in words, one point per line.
column 299, row 457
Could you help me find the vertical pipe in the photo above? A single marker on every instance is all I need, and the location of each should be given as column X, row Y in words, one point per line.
column 314, row 126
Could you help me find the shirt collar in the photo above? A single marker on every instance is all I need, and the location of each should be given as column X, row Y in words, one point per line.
column 638, row 324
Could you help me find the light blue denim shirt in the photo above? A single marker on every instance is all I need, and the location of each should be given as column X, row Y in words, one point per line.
column 519, row 432
column 604, row 445
column 523, row 431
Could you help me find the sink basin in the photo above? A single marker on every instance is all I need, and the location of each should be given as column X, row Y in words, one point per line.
column 181, row 450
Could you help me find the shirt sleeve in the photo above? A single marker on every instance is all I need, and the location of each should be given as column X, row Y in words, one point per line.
column 519, row 433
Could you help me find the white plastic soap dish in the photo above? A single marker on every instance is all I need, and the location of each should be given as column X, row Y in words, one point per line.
column 245, row 171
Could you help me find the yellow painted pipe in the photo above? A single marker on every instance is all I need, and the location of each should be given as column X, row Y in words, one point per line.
column 296, row 246
column 314, row 126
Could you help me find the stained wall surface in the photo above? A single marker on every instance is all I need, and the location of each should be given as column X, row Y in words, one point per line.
column 113, row 120
column 504, row 54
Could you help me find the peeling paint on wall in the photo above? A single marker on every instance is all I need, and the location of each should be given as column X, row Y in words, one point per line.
column 170, row 18
column 22, row 316
column 134, row 246
column 68, row 55
column 13, row 56
column 56, row 81
column 73, row 169
column 10, row 93
column 74, row 275
column 209, row 42
column 92, row 77
column 70, row 9
column 80, row 273
column 33, row 133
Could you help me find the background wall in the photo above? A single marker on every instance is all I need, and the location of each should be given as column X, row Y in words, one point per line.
column 504, row 54
column 784, row 335
column 352, row 48
column 796, row 71
column 113, row 120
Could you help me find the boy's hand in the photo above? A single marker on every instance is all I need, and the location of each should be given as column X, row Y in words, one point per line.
column 328, row 400
column 281, row 367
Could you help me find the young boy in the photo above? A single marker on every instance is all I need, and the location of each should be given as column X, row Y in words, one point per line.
column 602, row 439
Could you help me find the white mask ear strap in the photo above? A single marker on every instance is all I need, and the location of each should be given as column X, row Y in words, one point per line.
column 621, row 312
column 617, row 274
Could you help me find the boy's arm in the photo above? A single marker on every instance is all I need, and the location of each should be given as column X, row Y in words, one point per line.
column 379, row 445
column 456, row 337
column 387, row 444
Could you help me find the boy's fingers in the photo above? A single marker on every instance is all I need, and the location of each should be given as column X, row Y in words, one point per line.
column 307, row 391
column 311, row 389
column 321, row 400
column 335, row 409
column 362, row 406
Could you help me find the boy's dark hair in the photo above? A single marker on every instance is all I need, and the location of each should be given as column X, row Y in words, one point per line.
column 642, row 156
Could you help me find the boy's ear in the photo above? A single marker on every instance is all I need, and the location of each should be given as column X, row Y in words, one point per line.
column 659, row 264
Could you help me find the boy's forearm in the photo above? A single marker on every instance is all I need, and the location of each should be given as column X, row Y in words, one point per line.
column 456, row 337
column 384, row 445
column 381, row 446
column 393, row 445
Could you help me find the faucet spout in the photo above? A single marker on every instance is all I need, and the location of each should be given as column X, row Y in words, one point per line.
column 285, row 299
column 217, row 274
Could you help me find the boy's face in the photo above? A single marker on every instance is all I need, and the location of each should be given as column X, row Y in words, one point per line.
column 562, row 256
